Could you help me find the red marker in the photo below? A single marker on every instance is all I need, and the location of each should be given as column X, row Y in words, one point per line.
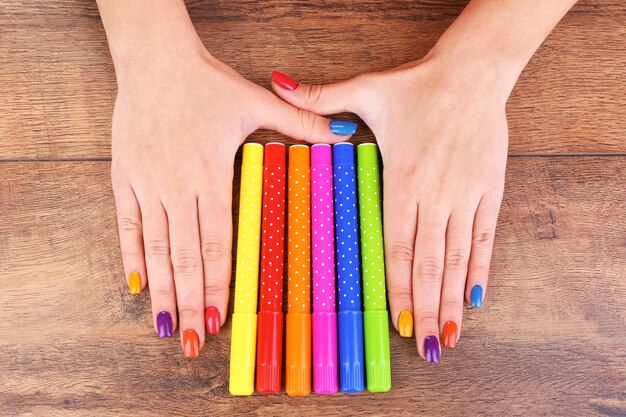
column 270, row 318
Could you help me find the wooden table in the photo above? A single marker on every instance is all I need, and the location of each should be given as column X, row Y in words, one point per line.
column 551, row 338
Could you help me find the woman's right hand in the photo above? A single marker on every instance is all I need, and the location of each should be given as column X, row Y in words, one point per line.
column 179, row 117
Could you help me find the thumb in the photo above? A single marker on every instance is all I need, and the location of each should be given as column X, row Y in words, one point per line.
column 275, row 114
column 321, row 98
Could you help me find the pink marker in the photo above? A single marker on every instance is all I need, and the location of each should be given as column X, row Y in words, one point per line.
column 325, row 367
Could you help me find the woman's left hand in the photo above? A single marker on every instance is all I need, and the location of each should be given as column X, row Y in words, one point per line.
column 442, row 131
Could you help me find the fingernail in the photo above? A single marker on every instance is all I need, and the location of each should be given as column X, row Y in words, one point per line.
column 284, row 81
column 477, row 296
column 212, row 320
column 191, row 343
column 405, row 323
column 134, row 283
column 431, row 349
column 342, row 127
column 449, row 336
column 164, row 324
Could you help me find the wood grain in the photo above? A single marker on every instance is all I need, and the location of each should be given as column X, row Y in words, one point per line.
column 549, row 342
column 57, row 84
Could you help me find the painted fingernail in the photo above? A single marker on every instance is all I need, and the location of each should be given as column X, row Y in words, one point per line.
column 284, row 81
column 431, row 349
column 191, row 343
column 405, row 323
column 164, row 324
column 342, row 127
column 477, row 296
column 450, row 334
column 212, row 320
column 134, row 283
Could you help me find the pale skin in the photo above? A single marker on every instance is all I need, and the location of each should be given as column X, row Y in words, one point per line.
column 440, row 122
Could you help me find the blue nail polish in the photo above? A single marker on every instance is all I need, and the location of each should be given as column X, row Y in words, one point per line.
column 477, row 296
column 342, row 127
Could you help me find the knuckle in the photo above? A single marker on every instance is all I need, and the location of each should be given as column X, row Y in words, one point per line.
column 427, row 318
column 483, row 238
column 479, row 269
column 130, row 224
column 213, row 251
column 185, row 261
column 397, row 291
column 429, row 269
column 214, row 289
column 401, row 251
column 157, row 248
column 452, row 304
column 160, row 293
column 456, row 259
column 189, row 311
column 313, row 94
column 307, row 120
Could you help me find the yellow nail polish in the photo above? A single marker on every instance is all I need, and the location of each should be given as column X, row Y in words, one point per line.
column 134, row 283
column 405, row 323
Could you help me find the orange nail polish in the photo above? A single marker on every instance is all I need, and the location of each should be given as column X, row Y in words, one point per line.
column 450, row 334
column 134, row 283
column 405, row 323
column 191, row 343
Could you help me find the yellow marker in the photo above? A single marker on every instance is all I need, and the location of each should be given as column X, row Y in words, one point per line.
column 243, row 339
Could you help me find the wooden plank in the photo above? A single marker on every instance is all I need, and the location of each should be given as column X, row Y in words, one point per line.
column 57, row 85
column 550, row 340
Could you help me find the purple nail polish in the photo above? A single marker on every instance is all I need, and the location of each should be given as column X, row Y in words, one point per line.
column 431, row 349
column 164, row 324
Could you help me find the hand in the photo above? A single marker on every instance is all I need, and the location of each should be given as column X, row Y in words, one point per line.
column 179, row 117
column 443, row 137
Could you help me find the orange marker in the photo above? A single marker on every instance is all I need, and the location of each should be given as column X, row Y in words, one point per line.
column 298, row 351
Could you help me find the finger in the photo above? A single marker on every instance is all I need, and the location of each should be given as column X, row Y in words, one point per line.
column 400, row 220
column 188, row 277
column 458, row 244
column 157, row 249
column 320, row 99
column 427, row 276
column 215, row 208
column 483, row 233
column 275, row 114
column 131, row 237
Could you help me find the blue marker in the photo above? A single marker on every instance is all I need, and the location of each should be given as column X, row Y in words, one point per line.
column 348, row 262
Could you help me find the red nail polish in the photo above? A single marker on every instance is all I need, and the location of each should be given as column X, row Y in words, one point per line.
column 212, row 320
column 284, row 81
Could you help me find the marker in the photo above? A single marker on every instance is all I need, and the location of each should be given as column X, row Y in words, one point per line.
column 375, row 316
column 270, row 320
column 243, row 340
column 324, row 317
column 349, row 316
column 298, row 354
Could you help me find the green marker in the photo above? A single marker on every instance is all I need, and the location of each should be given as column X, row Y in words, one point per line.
column 375, row 316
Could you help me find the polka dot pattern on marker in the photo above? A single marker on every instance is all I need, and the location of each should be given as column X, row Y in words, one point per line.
column 347, row 237
column 272, row 235
column 249, row 231
column 323, row 238
column 370, row 213
column 299, row 234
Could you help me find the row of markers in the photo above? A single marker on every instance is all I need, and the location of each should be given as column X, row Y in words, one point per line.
column 334, row 235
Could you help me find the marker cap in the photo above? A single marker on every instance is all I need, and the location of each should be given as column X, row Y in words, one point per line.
column 367, row 153
column 269, row 351
column 275, row 153
column 377, row 358
column 242, row 351
column 298, row 355
column 321, row 154
column 299, row 155
column 343, row 153
column 325, row 352
column 351, row 361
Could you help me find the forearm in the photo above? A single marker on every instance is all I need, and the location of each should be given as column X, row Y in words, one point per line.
column 146, row 33
column 499, row 36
